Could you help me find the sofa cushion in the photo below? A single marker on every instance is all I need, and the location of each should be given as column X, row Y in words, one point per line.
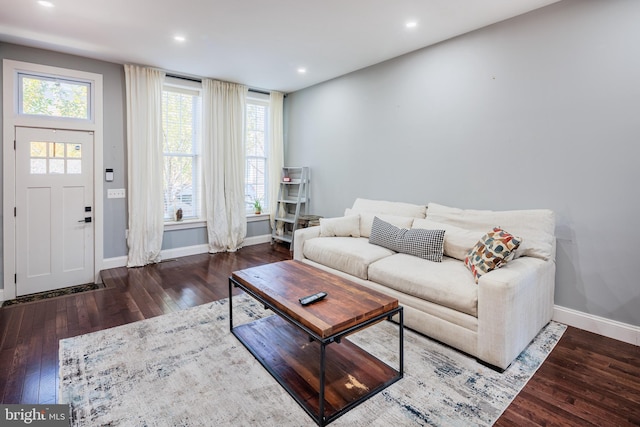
column 447, row 283
column 492, row 251
column 366, row 220
column 457, row 241
column 350, row 255
column 389, row 208
column 536, row 227
column 344, row 226
column 427, row 244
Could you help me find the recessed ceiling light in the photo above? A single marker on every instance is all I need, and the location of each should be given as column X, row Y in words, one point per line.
column 45, row 3
column 180, row 38
column 302, row 70
column 411, row 24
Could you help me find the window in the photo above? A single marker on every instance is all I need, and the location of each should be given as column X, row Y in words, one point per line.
column 181, row 118
column 257, row 146
column 49, row 96
column 181, row 124
column 51, row 158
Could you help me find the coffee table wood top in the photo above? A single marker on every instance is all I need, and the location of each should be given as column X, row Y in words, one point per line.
column 347, row 304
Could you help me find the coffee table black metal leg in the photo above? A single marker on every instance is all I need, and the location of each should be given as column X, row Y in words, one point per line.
column 401, row 370
column 323, row 354
column 230, row 304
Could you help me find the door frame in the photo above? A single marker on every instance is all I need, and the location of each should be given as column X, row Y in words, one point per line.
column 12, row 120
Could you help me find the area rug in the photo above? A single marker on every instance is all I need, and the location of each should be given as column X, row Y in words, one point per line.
column 187, row 369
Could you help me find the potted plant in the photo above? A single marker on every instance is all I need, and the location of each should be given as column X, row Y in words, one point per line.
column 257, row 206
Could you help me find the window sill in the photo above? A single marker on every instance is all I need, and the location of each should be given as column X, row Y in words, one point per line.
column 185, row 224
column 251, row 217
column 201, row 223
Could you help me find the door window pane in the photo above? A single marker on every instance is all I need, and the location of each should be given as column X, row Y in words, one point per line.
column 74, row 166
column 38, row 166
column 56, row 165
column 38, row 149
column 56, row 149
column 74, row 151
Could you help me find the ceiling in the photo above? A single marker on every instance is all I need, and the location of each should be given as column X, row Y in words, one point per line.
column 260, row 43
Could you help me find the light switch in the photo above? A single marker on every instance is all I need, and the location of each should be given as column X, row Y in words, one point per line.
column 116, row 193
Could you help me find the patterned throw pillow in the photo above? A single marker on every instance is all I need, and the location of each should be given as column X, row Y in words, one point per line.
column 427, row 244
column 492, row 251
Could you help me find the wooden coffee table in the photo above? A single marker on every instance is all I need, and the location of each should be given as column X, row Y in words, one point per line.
column 327, row 381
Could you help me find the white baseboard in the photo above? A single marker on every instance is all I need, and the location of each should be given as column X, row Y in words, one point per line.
column 256, row 240
column 184, row 251
column 109, row 263
column 598, row 325
column 121, row 261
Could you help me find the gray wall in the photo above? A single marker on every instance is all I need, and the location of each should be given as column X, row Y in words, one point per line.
column 540, row 111
column 198, row 236
column 115, row 210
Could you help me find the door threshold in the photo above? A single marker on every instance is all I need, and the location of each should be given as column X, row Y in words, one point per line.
column 53, row 293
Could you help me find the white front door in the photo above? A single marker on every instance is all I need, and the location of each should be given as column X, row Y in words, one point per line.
column 54, row 209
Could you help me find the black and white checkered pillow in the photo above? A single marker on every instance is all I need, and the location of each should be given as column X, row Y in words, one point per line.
column 427, row 244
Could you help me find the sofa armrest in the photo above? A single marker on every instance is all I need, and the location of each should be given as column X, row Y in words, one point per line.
column 300, row 236
column 514, row 303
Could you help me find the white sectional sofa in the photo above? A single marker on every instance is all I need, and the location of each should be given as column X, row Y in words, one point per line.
column 493, row 319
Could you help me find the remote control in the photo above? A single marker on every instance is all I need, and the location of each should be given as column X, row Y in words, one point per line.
column 312, row 298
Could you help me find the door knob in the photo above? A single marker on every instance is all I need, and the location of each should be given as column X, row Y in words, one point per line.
column 86, row 219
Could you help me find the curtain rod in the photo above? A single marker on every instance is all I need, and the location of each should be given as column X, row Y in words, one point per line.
column 198, row 80
column 191, row 79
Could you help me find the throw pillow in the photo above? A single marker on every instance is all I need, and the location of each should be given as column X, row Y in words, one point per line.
column 427, row 244
column 492, row 251
column 366, row 220
column 344, row 226
column 536, row 227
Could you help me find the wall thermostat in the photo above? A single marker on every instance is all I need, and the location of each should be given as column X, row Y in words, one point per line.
column 108, row 175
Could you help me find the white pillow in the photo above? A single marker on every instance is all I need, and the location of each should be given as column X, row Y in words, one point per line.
column 536, row 227
column 366, row 221
column 457, row 241
column 343, row 226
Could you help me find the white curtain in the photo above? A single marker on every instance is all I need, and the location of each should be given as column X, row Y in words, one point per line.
column 144, row 164
column 223, row 157
column 276, row 150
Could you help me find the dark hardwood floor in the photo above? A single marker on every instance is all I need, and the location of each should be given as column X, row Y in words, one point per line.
column 586, row 380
